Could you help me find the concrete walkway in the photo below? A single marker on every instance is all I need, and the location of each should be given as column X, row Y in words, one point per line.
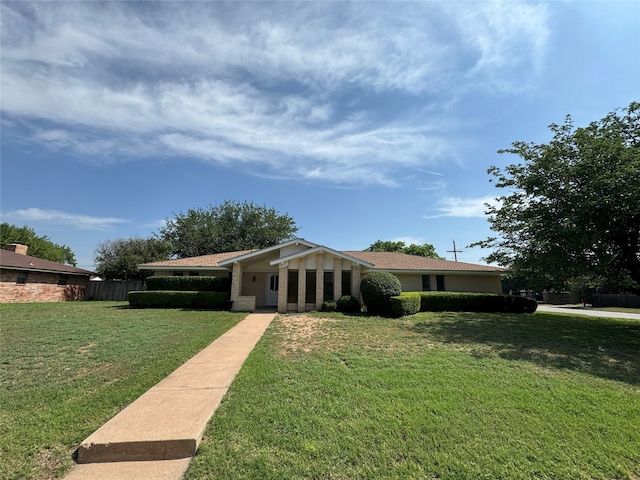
column 155, row 437
column 579, row 310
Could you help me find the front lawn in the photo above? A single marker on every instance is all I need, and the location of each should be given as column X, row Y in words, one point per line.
column 69, row 367
column 440, row 395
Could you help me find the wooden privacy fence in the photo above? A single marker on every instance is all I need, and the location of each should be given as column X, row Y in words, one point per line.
column 112, row 290
column 615, row 300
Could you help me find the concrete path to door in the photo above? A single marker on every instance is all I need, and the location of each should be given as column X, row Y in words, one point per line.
column 579, row 310
column 155, row 437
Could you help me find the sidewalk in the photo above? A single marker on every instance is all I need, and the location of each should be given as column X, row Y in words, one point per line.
column 155, row 437
column 579, row 310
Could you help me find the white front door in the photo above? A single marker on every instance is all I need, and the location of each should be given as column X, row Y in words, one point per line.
column 272, row 290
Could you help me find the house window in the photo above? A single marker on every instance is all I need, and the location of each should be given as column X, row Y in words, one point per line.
column 346, row 282
column 193, row 274
column 328, row 286
column 178, row 274
column 22, row 278
column 440, row 282
column 426, row 283
column 310, row 295
column 63, row 280
column 292, row 287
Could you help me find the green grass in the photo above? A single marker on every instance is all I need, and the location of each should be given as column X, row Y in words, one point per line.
column 69, row 367
column 441, row 395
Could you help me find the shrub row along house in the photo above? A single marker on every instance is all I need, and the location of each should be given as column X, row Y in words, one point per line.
column 299, row 275
column 24, row 278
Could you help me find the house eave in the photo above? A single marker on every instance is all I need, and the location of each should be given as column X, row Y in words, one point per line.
column 439, row 272
column 322, row 249
column 43, row 270
column 182, row 267
column 246, row 256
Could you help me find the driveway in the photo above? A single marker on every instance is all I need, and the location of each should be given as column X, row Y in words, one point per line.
column 579, row 310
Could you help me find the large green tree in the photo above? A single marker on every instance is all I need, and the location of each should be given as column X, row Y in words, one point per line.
column 425, row 250
column 119, row 259
column 230, row 226
column 39, row 246
column 572, row 210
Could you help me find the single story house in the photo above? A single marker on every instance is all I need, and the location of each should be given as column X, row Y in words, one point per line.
column 24, row 278
column 299, row 275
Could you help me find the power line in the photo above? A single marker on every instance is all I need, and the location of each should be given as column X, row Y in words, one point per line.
column 455, row 251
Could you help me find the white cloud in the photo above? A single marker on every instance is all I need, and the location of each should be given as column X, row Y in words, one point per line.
column 81, row 222
column 462, row 207
column 271, row 88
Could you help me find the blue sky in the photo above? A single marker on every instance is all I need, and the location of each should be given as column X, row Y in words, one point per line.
column 361, row 120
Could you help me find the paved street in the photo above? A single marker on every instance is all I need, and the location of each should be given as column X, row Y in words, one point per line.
column 579, row 310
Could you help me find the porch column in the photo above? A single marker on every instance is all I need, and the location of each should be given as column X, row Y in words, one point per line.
column 337, row 278
column 302, row 283
column 319, row 280
column 355, row 281
column 236, row 281
column 283, row 282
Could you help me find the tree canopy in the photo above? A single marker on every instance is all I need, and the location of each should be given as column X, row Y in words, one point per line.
column 230, row 226
column 39, row 246
column 573, row 207
column 426, row 250
column 119, row 259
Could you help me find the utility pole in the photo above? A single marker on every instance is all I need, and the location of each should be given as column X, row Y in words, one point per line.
column 455, row 251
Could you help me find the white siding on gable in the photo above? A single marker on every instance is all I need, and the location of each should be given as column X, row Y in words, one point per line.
column 311, row 262
column 329, row 262
column 292, row 249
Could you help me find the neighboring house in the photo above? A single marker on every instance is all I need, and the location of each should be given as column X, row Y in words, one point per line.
column 24, row 278
column 299, row 275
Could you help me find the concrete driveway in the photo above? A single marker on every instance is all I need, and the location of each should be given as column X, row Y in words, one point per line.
column 580, row 310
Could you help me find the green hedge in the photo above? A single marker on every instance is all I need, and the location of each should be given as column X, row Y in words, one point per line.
column 475, row 302
column 377, row 288
column 405, row 304
column 189, row 284
column 178, row 299
column 348, row 304
column 409, row 303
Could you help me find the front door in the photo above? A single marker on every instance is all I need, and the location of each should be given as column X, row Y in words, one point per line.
column 272, row 290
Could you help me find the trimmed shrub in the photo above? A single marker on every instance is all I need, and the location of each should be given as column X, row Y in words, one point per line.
column 329, row 306
column 475, row 302
column 189, row 284
column 405, row 304
column 179, row 299
column 516, row 304
column 348, row 304
column 377, row 288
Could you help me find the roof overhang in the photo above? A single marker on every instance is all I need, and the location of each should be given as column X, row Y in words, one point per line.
column 44, row 270
column 322, row 249
column 258, row 253
column 182, row 267
column 440, row 272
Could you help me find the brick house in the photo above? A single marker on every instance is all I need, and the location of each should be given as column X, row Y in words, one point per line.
column 299, row 275
column 24, row 278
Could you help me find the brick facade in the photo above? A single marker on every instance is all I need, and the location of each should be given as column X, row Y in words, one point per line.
column 40, row 287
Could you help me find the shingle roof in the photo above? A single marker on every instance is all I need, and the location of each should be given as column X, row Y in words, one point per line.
column 381, row 260
column 402, row 261
column 12, row 260
column 201, row 261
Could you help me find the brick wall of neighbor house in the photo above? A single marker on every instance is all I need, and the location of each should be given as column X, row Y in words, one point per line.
column 40, row 287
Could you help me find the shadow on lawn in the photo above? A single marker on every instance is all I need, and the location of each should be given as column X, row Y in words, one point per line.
column 602, row 347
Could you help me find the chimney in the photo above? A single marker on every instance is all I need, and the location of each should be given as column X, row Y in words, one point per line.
column 17, row 248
